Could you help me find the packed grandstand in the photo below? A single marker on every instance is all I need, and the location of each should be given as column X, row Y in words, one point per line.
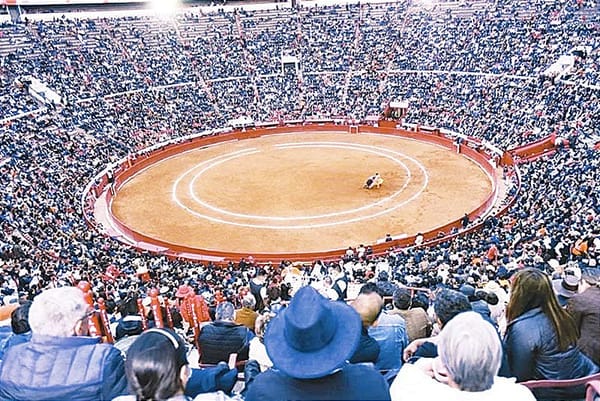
column 487, row 70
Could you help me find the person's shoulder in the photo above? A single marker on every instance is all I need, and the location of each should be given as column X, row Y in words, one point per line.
column 531, row 318
column 584, row 298
column 390, row 318
column 270, row 384
column 509, row 389
column 125, row 398
column 364, row 371
column 412, row 383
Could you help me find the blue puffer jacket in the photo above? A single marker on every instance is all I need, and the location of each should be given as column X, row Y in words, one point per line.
column 62, row 368
column 534, row 354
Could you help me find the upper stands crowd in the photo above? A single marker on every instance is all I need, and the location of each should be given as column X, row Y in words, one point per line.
column 128, row 83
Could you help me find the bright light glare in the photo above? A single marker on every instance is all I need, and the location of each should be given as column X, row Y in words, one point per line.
column 165, row 7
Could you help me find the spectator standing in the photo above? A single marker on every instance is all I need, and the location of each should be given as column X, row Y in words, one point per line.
column 258, row 288
column 61, row 361
column 130, row 323
column 340, row 281
column 310, row 343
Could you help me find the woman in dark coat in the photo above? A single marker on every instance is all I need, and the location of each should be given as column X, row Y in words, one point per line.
column 541, row 336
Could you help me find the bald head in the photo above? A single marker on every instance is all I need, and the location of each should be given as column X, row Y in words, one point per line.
column 369, row 307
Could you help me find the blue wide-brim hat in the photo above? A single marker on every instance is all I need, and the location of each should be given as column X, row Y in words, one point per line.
column 313, row 337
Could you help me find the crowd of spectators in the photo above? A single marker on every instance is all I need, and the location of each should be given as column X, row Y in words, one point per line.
column 128, row 83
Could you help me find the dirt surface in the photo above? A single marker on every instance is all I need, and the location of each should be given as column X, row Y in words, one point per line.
column 300, row 193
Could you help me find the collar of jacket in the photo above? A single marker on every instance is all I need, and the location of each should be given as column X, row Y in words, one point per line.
column 527, row 315
column 71, row 341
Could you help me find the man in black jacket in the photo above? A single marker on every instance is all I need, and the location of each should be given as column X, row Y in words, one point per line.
column 223, row 337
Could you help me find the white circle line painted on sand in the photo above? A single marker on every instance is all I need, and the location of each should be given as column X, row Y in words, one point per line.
column 296, row 218
column 231, row 155
column 306, row 226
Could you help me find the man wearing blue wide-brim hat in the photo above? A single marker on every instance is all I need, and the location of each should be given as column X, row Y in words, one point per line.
column 310, row 344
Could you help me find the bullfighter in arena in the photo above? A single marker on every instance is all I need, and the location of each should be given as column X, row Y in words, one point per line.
column 373, row 181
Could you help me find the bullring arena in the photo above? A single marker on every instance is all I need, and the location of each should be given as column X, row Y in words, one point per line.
column 170, row 159
column 288, row 193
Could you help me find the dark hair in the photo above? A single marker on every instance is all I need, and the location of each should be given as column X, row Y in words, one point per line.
column 153, row 365
column 449, row 303
column 369, row 288
column 273, row 292
column 531, row 288
column 19, row 319
column 489, row 297
column 420, row 300
column 402, row 298
column 128, row 306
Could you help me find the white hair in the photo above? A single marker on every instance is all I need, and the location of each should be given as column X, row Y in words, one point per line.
column 470, row 349
column 249, row 301
column 56, row 311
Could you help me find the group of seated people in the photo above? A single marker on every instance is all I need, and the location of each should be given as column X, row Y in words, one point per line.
column 317, row 348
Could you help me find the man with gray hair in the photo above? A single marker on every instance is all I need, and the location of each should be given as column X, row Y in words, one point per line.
column 470, row 354
column 223, row 337
column 246, row 315
column 61, row 362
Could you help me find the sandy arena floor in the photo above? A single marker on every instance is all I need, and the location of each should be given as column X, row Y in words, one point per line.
column 300, row 193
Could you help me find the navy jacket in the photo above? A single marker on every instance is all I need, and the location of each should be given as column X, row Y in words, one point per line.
column 353, row 382
column 368, row 349
column 62, row 368
column 534, row 354
column 221, row 338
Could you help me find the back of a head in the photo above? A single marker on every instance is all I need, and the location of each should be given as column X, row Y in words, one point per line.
column 249, row 301
column 19, row 319
column 369, row 288
column 469, row 291
column 402, row 299
column 56, row 311
column 129, row 307
column 273, row 292
column 532, row 288
column 225, row 311
column 154, row 365
column 368, row 306
column 449, row 303
column 470, row 349
column 261, row 272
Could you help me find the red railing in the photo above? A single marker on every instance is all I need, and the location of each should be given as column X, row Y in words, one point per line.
column 126, row 168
